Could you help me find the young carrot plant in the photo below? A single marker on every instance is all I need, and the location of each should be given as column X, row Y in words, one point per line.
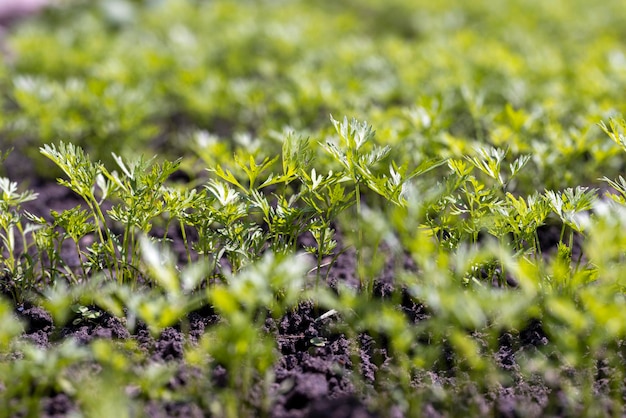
column 140, row 188
column 86, row 180
column 16, row 261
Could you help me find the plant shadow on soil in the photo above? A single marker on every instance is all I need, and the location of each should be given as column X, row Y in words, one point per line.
column 310, row 380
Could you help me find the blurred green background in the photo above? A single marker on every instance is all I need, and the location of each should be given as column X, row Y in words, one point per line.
column 189, row 78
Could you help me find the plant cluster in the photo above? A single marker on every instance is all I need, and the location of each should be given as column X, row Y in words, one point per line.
column 246, row 220
column 437, row 80
column 492, row 134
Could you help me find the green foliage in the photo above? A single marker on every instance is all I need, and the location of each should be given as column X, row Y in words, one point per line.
column 11, row 328
column 436, row 80
column 38, row 373
column 16, row 262
column 491, row 128
column 251, row 215
column 91, row 112
column 270, row 287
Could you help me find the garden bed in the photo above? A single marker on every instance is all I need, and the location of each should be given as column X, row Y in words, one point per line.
column 456, row 249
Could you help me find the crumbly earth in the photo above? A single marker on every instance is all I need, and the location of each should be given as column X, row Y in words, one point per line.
column 310, row 380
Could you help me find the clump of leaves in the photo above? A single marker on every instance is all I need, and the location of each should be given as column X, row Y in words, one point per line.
column 139, row 188
column 16, row 260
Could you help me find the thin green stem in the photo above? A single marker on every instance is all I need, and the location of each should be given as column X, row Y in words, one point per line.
column 80, row 259
column 320, row 252
column 108, row 242
column 185, row 242
column 562, row 234
column 359, row 253
column 537, row 245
